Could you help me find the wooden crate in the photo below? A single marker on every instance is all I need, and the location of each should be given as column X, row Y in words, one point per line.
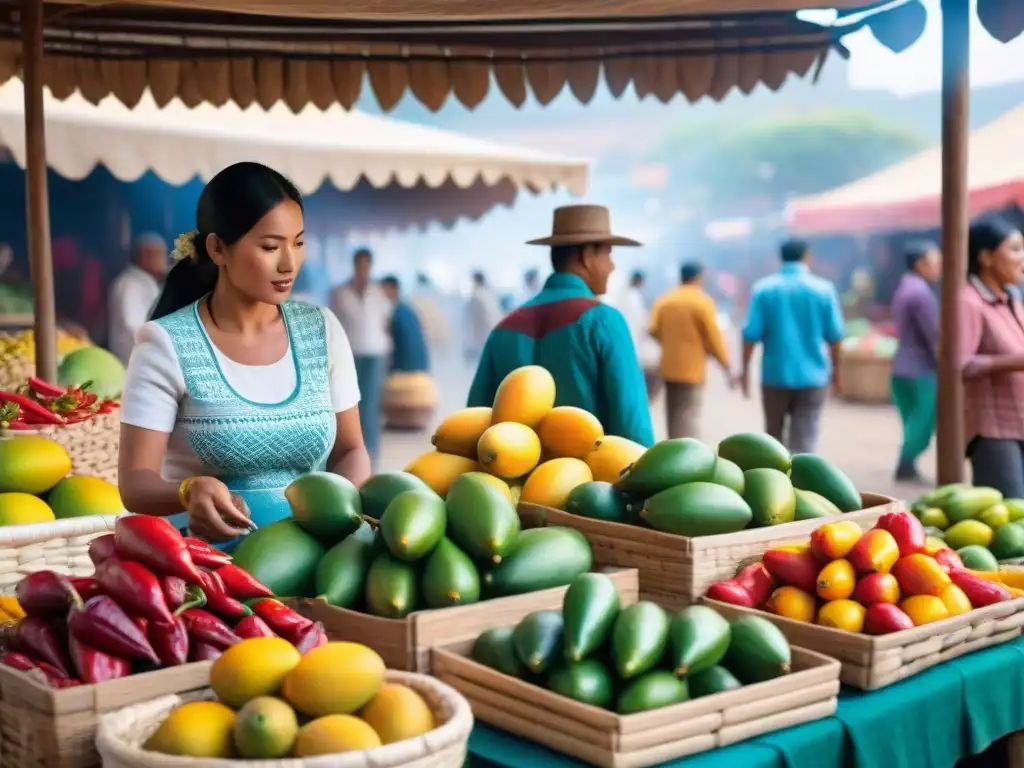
column 605, row 739
column 45, row 728
column 676, row 570
column 405, row 643
column 870, row 662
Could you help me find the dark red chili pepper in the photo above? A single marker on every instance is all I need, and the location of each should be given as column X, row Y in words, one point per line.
column 43, row 594
column 30, row 409
column 101, row 548
column 282, row 619
column 44, row 388
column 20, row 661
column 156, row 543
column 174, row 590
column 51, row 671
column 135, row 587
column 241, row 584
column 34, row 635
column 204, row 627
column 85, row 586
column 204, row 555
column 171, row 641
column 103, row 624
column 219, row 602
column 204, row 652
column 311, row 637
column 253, row 626
column 95, row 666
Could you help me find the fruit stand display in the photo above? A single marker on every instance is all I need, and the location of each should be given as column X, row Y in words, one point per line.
column 865, row 363
column 887, row 602
column 259, row 690
column 17, row 354
column 617, row 682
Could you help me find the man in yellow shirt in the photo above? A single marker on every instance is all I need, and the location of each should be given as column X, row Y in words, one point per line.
column 685, row 322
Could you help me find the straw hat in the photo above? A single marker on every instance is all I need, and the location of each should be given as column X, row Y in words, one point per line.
column 582, row 225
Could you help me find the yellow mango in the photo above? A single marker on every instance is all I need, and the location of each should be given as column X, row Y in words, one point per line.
column 509, row 450
column 460, row 432
column 569, row 432
column 551, row 482
column 610, row 458
column 525, row 396
column 439, row 470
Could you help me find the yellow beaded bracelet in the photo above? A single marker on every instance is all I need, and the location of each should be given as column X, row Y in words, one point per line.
column 183, row 489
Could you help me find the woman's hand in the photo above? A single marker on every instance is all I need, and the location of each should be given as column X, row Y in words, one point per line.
column 213, row 513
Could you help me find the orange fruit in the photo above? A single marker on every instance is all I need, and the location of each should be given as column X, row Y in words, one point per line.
column 833, row 540
column 924, row 609
column 836, row 581
column 792, row 603
column 955, row 600
column 842, row 614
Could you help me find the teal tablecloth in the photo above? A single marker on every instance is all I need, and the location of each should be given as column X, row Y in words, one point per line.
column 931, row 720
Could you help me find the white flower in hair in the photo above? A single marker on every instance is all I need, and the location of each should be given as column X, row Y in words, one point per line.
column 184, row 246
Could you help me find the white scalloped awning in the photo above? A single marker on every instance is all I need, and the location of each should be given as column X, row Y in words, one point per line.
column 345, row 147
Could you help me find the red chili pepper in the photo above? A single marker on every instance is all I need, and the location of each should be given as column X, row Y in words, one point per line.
column 311, row 637
column 44, row 594
column 103, row 624
column 174, row 590
column 34, row 635
column 282, row 619
column 19, row 661
column 204, row 627
column 109, row 406
column 18, row 426
column 31, row 409
column 44, row 388
column 204, row 652
column 156, row 543
column 171, row 641
column 253, row 626
column 135, row 587
column 102, row 548
column 95, row 666
column 85, row 586
column 52, row 672
column 241, row 584
column 204, row 555
column 218, row 601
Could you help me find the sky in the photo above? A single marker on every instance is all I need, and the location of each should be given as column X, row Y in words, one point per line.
column 918, row 69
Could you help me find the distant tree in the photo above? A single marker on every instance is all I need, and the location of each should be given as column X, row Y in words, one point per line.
column 728, row 166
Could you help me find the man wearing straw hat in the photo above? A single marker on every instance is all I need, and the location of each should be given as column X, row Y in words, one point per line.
column 584, row 343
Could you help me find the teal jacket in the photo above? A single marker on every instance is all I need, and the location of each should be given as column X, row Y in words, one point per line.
column 587, row 347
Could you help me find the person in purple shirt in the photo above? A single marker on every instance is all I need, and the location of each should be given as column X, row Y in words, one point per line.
column 915, row 312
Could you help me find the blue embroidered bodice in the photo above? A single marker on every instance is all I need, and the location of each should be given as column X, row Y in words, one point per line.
column 256, row 449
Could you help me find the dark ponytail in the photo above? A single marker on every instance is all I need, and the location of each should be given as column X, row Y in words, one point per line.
column 231, row 204
column 987, row 233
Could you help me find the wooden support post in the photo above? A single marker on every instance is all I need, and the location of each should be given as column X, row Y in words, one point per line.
column 37, row 200
column 956, row 98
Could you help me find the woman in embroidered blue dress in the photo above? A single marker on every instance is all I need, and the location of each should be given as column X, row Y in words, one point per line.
column 232, row 390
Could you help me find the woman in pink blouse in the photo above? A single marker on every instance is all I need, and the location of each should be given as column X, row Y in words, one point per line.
column 992, row 355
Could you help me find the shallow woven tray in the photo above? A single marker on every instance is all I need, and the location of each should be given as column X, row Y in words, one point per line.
column 61, row 546
column 121, row 733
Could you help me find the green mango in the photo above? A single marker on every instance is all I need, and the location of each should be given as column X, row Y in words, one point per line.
column 450, row 577
column 669, row 463
column 654, row 690
column 1008, row 543
column 698, row 638
column 714, row 680
column 600, row 501
column 1016, row 509
column 939, row 495
column 590, row 607
column 283, row 556
column 391, row 588
column 966, row 503
column 413, row 524
column 978, row 558
column 481, row 519
column 811, row 505
column 697, row 509
column 495, row 649
column 639, row 636
column 379, row 490
column 542, row 558
column 770, row 495
column 754, row 450
column 758, row 651
column 809, row 472
column 729, row 474
column 325, row 505
column 341, row 573
column 588, row 681
column 538, row 640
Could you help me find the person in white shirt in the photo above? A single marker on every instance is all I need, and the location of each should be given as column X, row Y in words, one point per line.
column 634, row 309
column 134, row 293
column 365, row 313
column 483, row 312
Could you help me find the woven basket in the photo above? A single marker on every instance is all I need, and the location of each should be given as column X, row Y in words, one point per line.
column 866, row 378
column 61, row 546
column 15, row 372
column 91, row 444
column 121, row 733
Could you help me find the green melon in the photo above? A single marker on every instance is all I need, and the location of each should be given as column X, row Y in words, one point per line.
column 100, row 369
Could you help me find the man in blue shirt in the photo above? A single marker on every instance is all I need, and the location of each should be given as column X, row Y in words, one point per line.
column 798, row 320
column 408, row 344
column 584, row 343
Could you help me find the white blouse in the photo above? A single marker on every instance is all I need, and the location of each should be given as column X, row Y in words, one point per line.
column 154, row 386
